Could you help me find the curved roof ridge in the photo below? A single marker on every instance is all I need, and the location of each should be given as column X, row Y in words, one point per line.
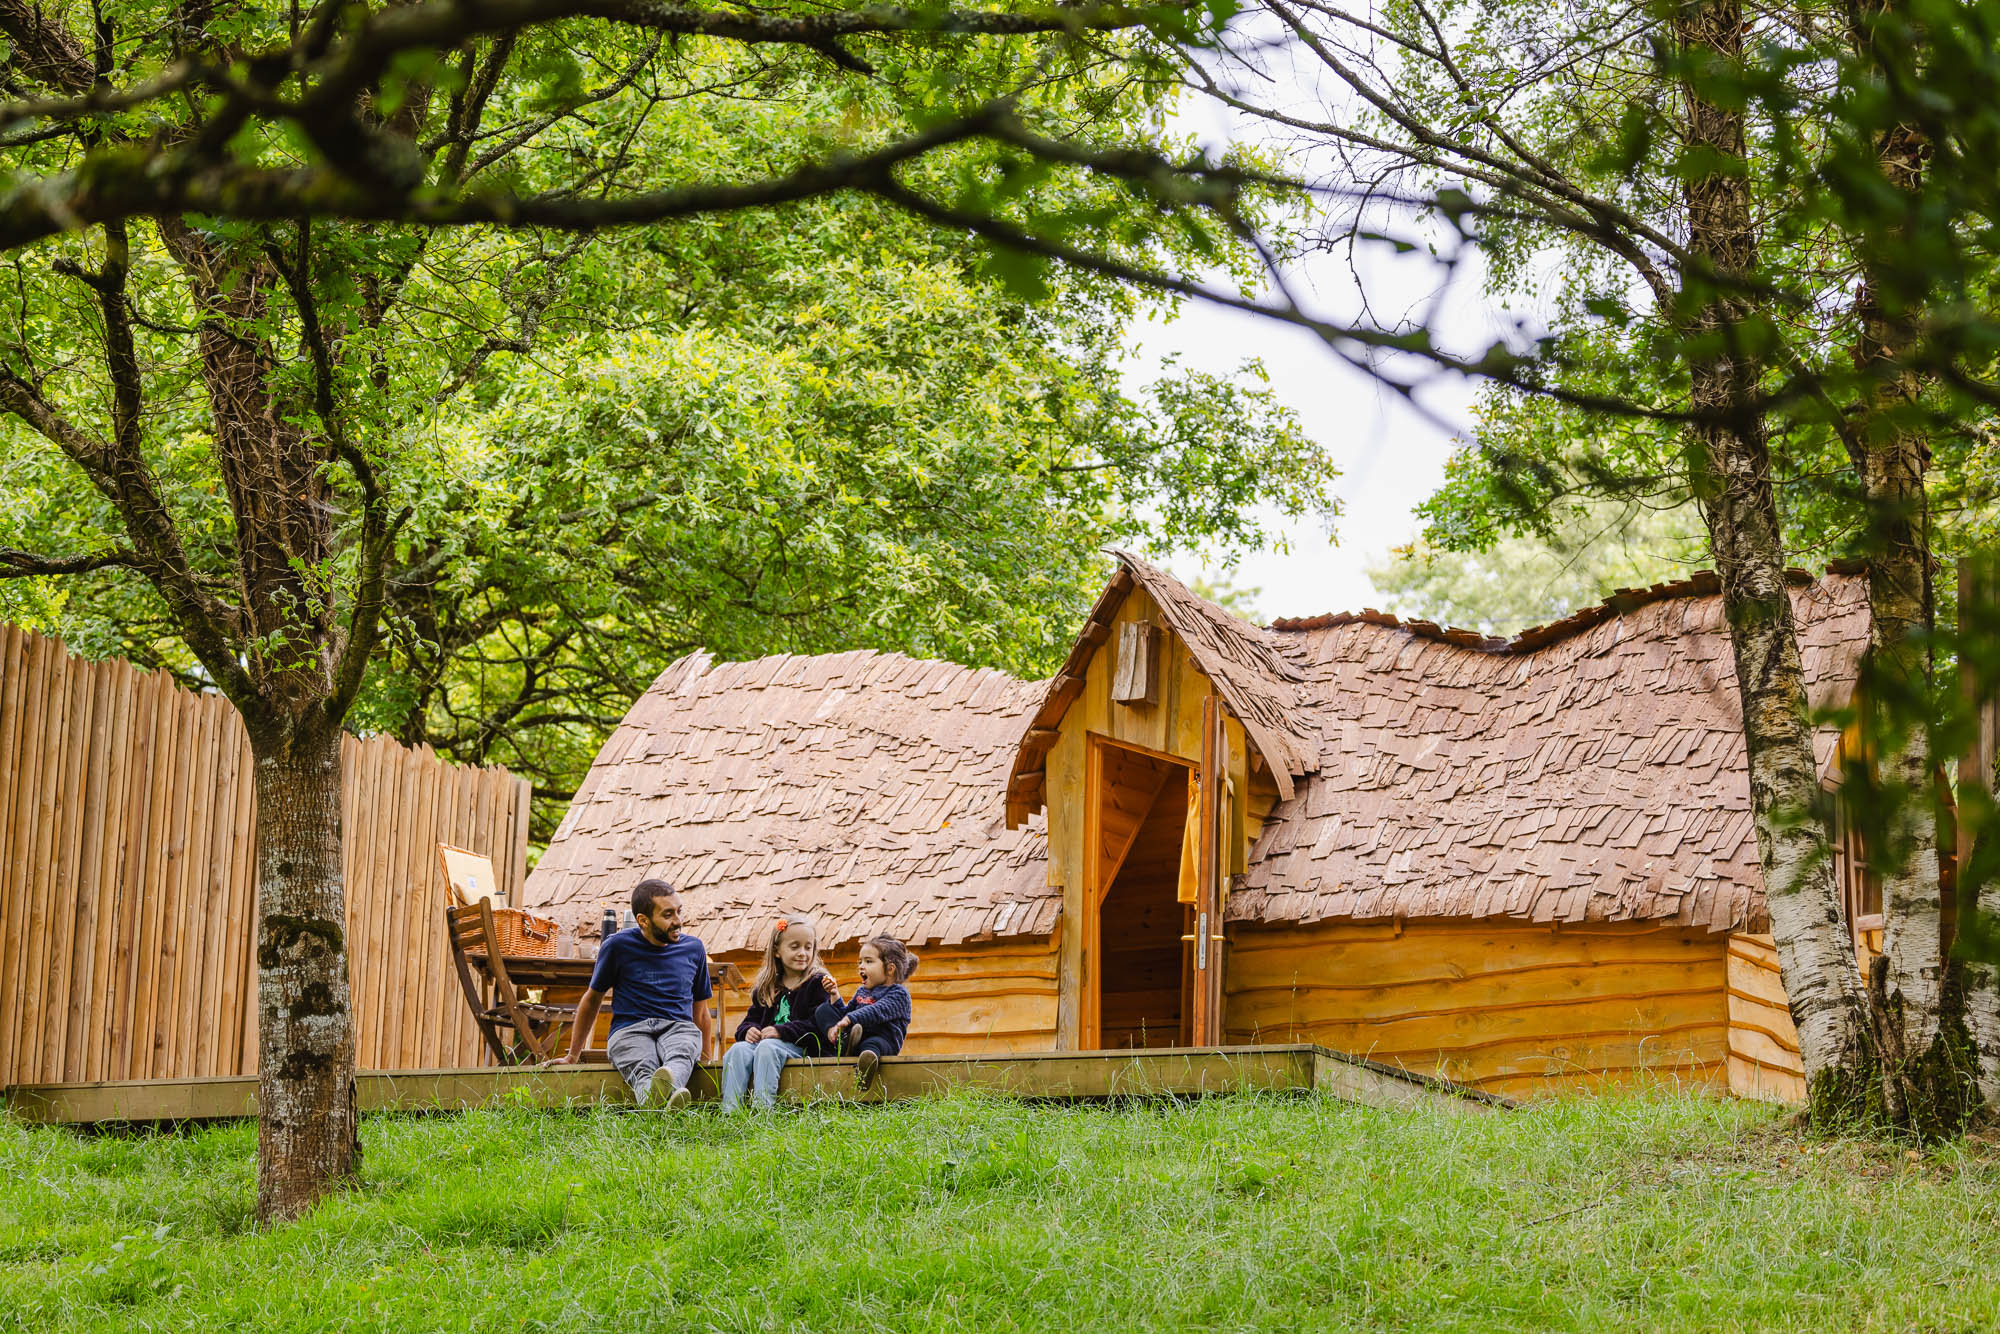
column 712, row 665
column 1702, row 583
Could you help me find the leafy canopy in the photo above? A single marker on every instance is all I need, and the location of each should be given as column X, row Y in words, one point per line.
column 819, row 425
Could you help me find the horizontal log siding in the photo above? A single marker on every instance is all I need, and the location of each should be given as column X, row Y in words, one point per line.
column 1518, row 1009
column 1763, row 1045
column 968, row 999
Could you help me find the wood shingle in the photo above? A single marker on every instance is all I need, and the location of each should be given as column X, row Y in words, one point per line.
column 1587, row 771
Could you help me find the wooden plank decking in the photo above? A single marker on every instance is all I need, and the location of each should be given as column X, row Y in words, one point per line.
column 1182, row 1072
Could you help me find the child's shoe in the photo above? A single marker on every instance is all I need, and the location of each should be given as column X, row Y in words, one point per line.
column 678, row 1100
column 864, row 1071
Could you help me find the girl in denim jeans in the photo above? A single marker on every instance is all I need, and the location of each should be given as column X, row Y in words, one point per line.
column 790, row 988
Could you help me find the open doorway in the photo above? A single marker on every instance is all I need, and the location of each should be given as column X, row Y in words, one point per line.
column 1141, row 962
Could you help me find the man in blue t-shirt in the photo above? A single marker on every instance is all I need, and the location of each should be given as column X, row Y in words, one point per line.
column 657, row 975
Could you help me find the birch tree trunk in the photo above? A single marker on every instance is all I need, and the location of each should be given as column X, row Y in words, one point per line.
column 1982, row 1010
column 1982, row 983
column 1916, row 995
column 1979, row 769
column 1730, row 467
column 308, row 1133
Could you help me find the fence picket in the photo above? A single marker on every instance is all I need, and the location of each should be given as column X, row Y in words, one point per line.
column 237, row 1012
column 26, row 665
column 128, row 878
column 44, row 871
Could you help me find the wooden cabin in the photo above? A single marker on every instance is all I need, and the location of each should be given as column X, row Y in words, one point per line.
column 1525, row 864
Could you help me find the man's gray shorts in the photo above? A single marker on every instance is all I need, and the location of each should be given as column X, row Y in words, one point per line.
column 647, row 1046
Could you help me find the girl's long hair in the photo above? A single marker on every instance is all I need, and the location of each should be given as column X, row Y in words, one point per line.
column 896, row 957
column 771, row 974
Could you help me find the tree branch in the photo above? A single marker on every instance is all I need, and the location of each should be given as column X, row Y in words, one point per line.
column 17, row 564
column 378, row 531
column 440, row 25
column 127, row 183
column 125, row 480
column 44, row 50
column 1341, row 339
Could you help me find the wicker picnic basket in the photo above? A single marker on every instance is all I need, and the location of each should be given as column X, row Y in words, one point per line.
column 523, row 935
column 468, row 877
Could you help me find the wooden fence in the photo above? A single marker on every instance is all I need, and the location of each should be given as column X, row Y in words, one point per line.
column 128, row 876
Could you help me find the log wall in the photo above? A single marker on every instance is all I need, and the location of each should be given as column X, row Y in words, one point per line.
column 1764, row 1057
column 1512, row 1008
column 128, row 879
column 983, row 998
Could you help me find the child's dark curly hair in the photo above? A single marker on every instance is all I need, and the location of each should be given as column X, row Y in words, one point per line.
column 896, row 957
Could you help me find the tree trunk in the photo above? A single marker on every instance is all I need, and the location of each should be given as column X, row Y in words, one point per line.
column 308, row 1133
column 1982, row 1009
column 1978, row 781
column 1731, row 476
column 1981, row 979
column 1815, row 949
column 1916, row 995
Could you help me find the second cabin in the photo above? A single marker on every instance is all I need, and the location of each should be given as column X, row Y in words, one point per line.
column 1521, row 864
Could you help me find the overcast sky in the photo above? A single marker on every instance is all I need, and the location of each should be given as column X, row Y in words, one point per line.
column 1391, row 456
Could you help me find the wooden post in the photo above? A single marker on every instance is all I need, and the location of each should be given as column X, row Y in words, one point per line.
column 1208, row 897
column 1090, row 962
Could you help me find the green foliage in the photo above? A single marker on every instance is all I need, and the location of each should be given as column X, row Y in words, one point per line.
column 817, row 426
column 1599, row 103
column 1675, row 1210
column 1525, row 581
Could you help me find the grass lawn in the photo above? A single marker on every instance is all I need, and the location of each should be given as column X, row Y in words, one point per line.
column 1662, row 1212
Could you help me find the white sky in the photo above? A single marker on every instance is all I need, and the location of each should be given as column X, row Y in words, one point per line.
column 1391, row 456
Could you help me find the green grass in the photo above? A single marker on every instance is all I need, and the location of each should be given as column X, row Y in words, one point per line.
column 1664, row 1212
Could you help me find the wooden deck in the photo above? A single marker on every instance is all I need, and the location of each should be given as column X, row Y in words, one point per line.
column 1166, row 1072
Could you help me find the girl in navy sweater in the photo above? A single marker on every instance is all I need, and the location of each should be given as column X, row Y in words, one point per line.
column 784, row 1000
column 874, row 1023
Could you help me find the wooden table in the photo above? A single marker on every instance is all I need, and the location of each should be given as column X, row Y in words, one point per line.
column 563, row 982
column 537, row 972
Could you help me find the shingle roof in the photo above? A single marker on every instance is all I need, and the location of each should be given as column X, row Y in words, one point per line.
column 1250, row 668
column 1597, row 776
column 863, row 788
column 1594, row 774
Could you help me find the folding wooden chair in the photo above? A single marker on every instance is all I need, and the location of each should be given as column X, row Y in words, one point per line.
column 539, row 1029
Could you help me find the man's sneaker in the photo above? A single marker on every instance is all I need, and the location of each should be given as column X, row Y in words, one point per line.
column 678, row 1100
column 864, row 1071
